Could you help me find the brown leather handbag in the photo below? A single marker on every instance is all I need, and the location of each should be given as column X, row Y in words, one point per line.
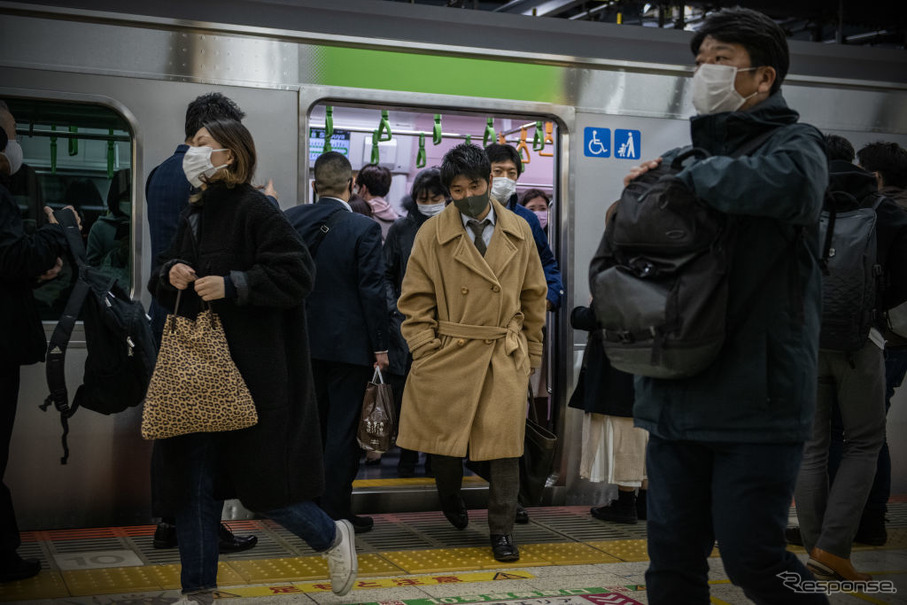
column 195, row 387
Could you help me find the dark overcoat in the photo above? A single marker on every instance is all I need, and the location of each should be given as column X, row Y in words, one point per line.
column 22, row 259
column 761, row 388
column 600, row 388
column 397, row 247
column 242, row 235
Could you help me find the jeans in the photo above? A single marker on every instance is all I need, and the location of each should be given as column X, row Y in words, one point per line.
column 198, row 519
column 739, row 493
column 829, row 512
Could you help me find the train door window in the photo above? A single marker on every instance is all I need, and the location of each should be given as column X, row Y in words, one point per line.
column 80, row 155
column 417, row 139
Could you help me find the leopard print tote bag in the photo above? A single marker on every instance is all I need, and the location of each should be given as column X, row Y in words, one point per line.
column 195, row 387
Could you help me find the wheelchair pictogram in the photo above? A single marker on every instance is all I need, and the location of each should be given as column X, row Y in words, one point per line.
column 597, row 142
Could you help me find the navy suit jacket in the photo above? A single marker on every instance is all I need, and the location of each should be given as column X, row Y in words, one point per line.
column 346, row 311
column 166, row 194
column 549, row 263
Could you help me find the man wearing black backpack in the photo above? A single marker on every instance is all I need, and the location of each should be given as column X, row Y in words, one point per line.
column 25, row 261
column 862, row 228
column 726, row 443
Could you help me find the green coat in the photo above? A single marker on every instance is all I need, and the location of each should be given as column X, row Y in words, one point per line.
column 762, row 386
column 474, row 327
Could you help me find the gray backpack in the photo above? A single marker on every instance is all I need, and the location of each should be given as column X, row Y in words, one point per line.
column 852, row 274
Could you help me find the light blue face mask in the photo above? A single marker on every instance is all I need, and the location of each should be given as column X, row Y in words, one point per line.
column 431, row 209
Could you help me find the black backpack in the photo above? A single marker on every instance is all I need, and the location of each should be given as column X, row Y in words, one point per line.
column 660, row 293
column 121, row 351
column 852, row 274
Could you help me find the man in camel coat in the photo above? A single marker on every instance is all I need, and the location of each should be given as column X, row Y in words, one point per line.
column 474, row 301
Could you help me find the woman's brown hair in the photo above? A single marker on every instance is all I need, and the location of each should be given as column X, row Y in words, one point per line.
column 234, row 136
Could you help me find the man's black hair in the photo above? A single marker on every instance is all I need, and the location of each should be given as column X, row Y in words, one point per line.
column 376, row 178
column 838, row 148
column 468, row 160
column 763, row 39
column 209, row 107
column 888, row 159
column 502, row 153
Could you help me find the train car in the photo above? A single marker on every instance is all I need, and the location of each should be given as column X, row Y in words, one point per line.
column 99, row 90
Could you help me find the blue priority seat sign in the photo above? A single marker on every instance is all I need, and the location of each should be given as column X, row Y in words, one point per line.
column 597, row 142
column 627, row 144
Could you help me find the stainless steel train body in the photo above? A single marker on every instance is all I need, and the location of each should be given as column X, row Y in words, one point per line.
column 283, row 63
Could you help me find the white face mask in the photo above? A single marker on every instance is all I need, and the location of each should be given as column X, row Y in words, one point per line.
column 197, row 164
column 431, row 209
column 714, row 91
column 502, row 188
column 13, row 154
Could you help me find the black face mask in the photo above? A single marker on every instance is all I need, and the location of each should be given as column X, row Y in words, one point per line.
column 473, row 205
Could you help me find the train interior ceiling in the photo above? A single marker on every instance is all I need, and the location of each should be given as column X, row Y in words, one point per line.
column 420, row 138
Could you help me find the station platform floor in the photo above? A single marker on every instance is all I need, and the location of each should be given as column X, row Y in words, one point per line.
column 567, row 558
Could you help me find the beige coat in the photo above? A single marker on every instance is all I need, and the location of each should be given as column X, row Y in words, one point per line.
column 474, row 327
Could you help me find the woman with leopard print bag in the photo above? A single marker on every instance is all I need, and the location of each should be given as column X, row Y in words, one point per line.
column 236, row 254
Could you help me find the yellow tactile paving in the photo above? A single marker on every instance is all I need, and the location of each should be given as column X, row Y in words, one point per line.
column 46, row 585
column 441, row 559
column 371, row 565
column 624, row 550
column 261, row 571
column 568, row 553
column 168, row 576
column 86, row 582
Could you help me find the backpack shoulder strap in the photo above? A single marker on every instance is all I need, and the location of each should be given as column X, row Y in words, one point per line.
column 55, row 368
column 333, row 218
column 67, row 220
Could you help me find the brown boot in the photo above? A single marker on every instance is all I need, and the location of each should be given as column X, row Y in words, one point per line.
column 825, row 565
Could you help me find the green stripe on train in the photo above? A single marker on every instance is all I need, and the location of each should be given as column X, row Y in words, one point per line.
column 426, row 73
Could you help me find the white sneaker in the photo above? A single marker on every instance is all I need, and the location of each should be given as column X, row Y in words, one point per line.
column 342, row 561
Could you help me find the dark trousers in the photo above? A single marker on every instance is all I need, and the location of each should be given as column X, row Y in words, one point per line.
column 739, row 493
column 503, row 488
column 339, row 388
column 9, row 397
column 198, row 517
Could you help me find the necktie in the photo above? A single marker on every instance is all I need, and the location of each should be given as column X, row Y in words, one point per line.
column 478, row 229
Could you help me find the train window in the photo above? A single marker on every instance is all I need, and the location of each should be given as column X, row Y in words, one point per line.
column 76, row 154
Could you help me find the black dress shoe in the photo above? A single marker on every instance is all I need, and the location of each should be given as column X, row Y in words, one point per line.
column 361, row 524
column 456, row 513
column 19, row 569
column 503, row 548
column 230, row 543
column 165, row 535
column 521, row 516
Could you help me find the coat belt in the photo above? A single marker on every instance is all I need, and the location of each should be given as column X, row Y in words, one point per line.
column 511, row 333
